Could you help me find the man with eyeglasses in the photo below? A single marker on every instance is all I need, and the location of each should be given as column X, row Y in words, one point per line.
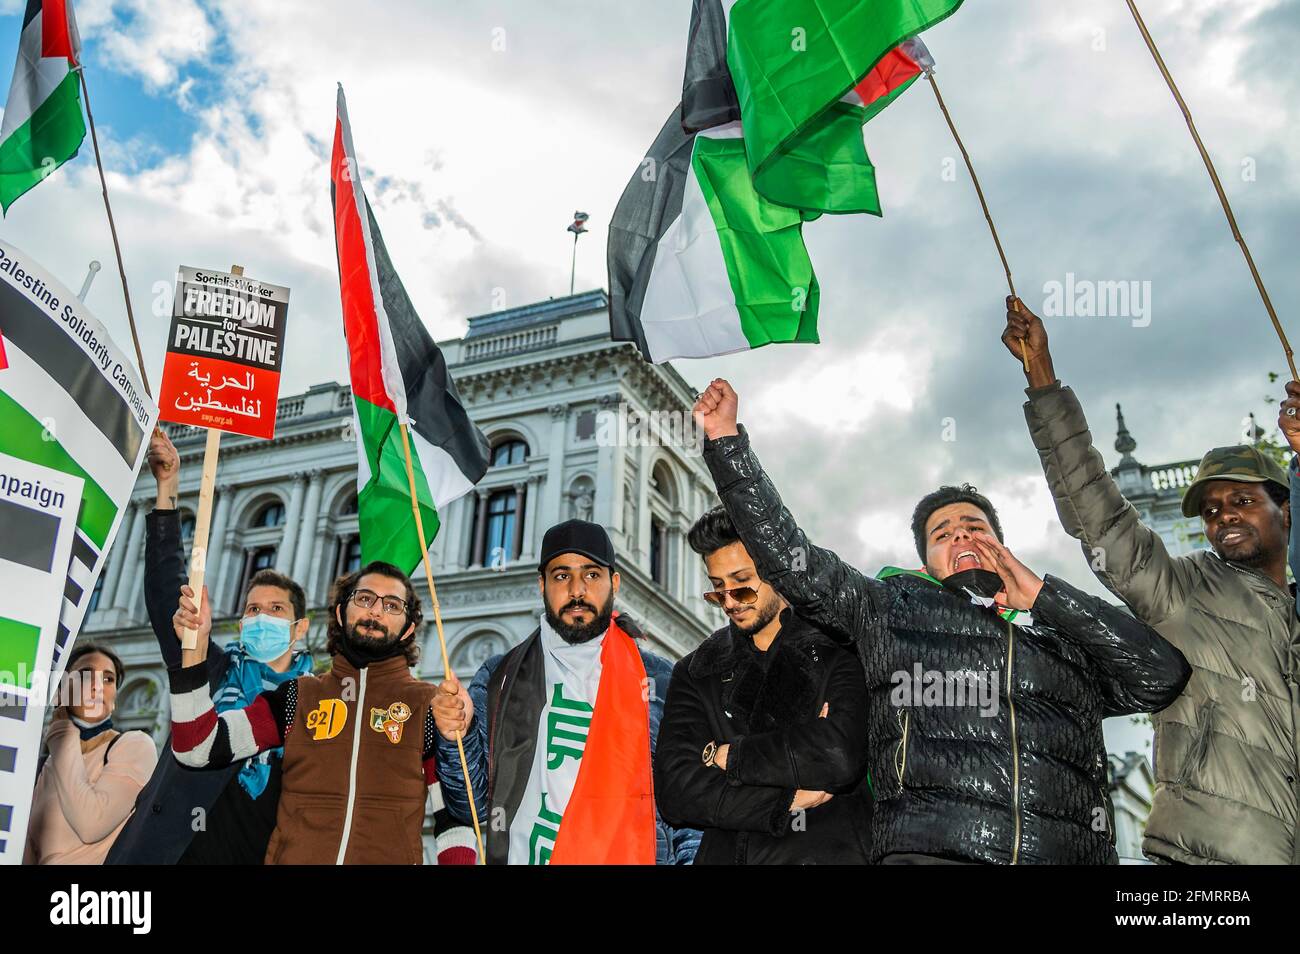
column 764, row 739
column 358, row 740
column 222, row 817
column 559, row 733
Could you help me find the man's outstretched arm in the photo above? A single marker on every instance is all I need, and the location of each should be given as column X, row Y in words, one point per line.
column 821, row 587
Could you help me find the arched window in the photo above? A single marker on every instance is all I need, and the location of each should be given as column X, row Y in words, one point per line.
column 271, row 515
column 661, row 482
column 349, row 507
column 187, row 526
column 501, row 520
column 509, row 451
column 262, row 558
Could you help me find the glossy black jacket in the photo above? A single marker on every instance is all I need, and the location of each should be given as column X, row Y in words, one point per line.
column 985, row 735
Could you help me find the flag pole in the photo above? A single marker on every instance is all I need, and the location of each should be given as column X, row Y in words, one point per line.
column 1218, row 186
column 573, row 269
column 442, row 640
column 1006, row 266
column 112, row 227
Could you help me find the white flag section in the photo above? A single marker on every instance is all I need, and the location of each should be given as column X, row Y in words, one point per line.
column 38, row 520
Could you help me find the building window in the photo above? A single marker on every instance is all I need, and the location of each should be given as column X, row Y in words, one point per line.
column 509, row 452
column 96, row 593
column 187, row 527
column 263, row 558
column 272, row 515
column 501, row 520
column 349, row 555
column 658, row 552
column 350, row 506
column 586, row 425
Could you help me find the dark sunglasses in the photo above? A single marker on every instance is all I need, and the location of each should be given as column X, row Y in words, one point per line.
column 741, row 594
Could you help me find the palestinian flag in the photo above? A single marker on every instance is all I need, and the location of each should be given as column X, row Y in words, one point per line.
column 398, row 375
column 699, row 263
column 803, row 76
column 42, row 127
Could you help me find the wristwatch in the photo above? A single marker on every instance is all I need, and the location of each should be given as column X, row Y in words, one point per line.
column 710, row 753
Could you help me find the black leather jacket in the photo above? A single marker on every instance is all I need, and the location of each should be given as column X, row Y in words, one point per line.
column 985, row 735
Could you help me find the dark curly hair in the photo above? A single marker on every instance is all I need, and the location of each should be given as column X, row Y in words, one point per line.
column 943, row 497
column 346, row 585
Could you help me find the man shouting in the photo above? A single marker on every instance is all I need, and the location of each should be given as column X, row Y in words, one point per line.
column 987, row 683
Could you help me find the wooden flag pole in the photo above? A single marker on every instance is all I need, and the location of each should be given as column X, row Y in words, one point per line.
column 112, row 228
column 203, row 520
column 442, row 640
column 988, row 216
column 1218, row 186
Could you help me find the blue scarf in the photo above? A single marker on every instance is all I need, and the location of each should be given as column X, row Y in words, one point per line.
column 245, row 678
column 89, row 730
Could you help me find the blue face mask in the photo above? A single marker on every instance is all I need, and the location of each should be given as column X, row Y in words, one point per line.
column 266, row 638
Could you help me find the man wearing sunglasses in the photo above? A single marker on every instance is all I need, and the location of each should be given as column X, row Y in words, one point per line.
column 357, row 740
column 764, row 739
column 988, row 684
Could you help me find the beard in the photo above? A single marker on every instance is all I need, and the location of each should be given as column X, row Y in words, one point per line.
column 370, row 641
column 575, row 633
column 1249, row 553
column 764, row 613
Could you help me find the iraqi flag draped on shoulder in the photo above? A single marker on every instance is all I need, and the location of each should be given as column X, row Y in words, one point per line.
column 803, row 76
column 398, row 375
column 43, row 127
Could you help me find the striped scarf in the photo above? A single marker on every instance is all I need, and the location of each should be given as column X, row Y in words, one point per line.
column 245, row 678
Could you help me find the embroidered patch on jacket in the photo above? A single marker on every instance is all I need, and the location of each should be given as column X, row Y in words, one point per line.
column 328, row 719
column 389, row 721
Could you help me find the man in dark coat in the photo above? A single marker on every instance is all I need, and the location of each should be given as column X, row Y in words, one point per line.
column 763, row 744
column 988, row 684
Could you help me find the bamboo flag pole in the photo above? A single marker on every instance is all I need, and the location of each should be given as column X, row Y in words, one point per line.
column 117, row 248
column 970, row 166
column 442, row 640
column 203, row 520
column 1218, row 186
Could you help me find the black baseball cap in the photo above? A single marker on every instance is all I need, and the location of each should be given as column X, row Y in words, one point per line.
column 577, row 536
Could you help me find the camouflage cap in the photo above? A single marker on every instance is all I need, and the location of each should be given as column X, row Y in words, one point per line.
column 1242, row 463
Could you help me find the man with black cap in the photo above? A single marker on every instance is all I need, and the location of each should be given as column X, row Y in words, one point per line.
column 559, row 733
column 1227, row 753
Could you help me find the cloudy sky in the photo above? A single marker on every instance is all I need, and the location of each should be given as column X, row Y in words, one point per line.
column 482, row 127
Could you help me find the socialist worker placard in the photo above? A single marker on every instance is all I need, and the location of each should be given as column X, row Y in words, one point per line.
column 224, row 352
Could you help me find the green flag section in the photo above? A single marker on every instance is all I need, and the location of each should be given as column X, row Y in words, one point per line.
column 43, row 127
column 19, row 643
column 795, row 65
column 398, row 375
column 384, row 515
column 699, row 263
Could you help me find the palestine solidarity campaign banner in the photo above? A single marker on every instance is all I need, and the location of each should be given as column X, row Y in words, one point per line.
column 71, row 402
column 224, row 353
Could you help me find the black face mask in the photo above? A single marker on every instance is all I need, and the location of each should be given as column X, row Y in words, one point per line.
column 984, row 583
column 362, row 651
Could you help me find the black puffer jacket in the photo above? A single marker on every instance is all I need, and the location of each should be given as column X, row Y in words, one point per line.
column 768, row 709
column 1017, row 774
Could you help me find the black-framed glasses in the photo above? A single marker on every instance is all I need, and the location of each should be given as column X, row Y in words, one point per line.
column 741, row 594
column 393, row 605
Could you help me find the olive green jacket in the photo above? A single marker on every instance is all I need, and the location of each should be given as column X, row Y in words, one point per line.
column 1226, row 749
